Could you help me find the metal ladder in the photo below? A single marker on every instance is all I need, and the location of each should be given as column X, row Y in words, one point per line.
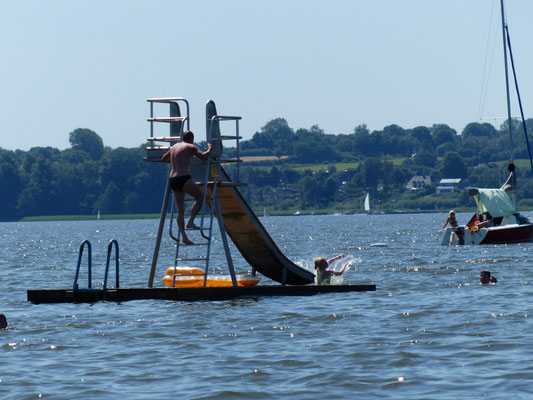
column 210, row 184
column 86, row 243
column 205, row 232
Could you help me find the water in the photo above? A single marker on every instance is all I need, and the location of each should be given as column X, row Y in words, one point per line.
column 430, row 331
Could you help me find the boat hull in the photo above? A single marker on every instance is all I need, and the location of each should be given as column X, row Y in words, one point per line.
column 506, row 234
column 509, row 234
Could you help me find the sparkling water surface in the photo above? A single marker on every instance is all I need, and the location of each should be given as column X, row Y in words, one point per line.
column 430, row 331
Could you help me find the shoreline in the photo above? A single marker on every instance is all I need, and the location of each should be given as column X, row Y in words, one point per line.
column 269, row 214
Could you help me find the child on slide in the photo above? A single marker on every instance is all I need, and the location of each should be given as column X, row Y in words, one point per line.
column 323, row 274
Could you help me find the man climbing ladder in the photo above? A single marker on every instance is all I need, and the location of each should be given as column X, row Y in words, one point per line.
column 180, row 157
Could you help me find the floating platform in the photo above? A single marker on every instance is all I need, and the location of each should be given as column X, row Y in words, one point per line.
column 39, row 296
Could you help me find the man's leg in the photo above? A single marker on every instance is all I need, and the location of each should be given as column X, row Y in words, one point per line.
column 192, row 189
column 180, row 217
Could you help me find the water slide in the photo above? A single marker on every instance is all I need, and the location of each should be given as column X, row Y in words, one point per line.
column 253, row 241
column 248, row 234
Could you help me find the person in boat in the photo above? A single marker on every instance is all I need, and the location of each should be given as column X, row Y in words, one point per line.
column 485, row 221
column 180, row 157
column 3, row 321
column 323, row 274
column 485, row 277
column 459, row 230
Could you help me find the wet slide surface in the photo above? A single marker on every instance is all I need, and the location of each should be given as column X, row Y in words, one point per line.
column 253, row 240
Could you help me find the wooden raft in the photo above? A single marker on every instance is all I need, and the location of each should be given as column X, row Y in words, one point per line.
column 38, row 296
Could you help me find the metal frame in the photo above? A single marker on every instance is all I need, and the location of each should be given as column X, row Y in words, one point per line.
column 170, row 101
column 85, row 243
column 215, row 206
column 89, row 273
column 109, row 250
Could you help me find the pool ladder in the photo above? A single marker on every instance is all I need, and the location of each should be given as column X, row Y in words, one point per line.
column 87, row 244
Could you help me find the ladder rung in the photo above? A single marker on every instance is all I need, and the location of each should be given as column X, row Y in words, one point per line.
column 165, row 99
column 226, row 118
column 203, row 229
column 166, row 119
column 164, row 139
column 191, row 199
column 223, row 184
column 191, row 259
column 157, row 148
column 226, row 137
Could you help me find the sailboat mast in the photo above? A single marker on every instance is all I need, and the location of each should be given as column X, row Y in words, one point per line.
column 509, row 122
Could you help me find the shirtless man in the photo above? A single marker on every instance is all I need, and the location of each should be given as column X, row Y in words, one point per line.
column 180, row 157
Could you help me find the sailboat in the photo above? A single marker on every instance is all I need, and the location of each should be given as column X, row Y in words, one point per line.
column 497, row 220
column 367, row 203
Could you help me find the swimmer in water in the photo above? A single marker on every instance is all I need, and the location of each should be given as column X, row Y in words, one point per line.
column 485, row 277
column 323, row 274
column 3, row 321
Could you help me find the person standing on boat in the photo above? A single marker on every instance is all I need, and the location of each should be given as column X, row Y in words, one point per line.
column 180, row 157
column 458, row 230
column 323, row 274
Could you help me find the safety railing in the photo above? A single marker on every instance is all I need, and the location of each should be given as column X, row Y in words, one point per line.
column 89, row 273
column 87, row 244
column 117, row 279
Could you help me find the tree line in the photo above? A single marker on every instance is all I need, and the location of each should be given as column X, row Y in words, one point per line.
column 83, row 179
column 476, row 155
column 88, row 176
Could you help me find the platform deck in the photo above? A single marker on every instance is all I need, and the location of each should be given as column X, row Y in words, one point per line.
column 38, row 296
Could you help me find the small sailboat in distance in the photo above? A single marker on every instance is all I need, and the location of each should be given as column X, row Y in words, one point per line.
column 367, row 203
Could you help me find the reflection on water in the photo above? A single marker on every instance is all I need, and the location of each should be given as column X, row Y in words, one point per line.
column 429, row 331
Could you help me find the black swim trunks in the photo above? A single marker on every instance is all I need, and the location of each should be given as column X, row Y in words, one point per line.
column 177, row 182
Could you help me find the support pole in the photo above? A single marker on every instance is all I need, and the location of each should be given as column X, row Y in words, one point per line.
column 159, row 234
column 509, row 118
column 224, row 237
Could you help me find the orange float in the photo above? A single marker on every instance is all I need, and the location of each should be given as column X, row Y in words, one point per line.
column 189, row 271
column 212, row 281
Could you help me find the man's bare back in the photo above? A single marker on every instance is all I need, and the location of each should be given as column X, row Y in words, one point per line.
column 181, row 155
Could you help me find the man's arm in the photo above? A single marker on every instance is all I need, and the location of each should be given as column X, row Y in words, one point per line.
column 203, row 154
column 166, row 157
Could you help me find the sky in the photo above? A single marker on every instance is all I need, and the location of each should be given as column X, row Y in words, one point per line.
column 336, row 64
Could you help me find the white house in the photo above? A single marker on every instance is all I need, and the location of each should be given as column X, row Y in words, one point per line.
column 418, row 182
column 448, row 185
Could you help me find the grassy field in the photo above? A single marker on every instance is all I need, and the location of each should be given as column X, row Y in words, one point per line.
column 338, row 166
column 262, row 158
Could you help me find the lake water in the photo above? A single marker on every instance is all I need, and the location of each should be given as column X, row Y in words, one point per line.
column 430, row 331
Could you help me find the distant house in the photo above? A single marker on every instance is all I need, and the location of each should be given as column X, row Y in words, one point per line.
column 418, row 182
column 448, row 185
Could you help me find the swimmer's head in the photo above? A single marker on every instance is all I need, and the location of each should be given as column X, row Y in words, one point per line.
column 3, row 321
column 484, row 276
column 321, row 263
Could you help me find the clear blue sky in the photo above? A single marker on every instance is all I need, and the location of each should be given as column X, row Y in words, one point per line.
column 337, row 64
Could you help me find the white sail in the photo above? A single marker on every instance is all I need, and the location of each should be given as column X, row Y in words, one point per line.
column 367, row 203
